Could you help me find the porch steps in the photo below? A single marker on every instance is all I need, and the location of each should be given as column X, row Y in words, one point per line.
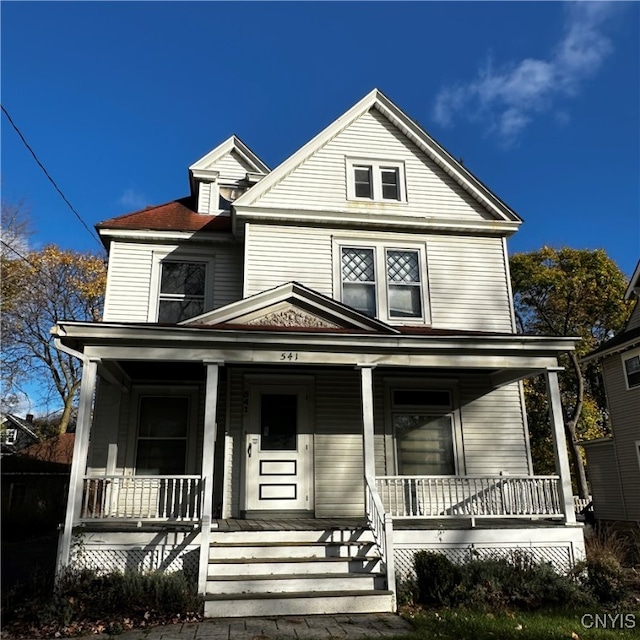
column 256, row 573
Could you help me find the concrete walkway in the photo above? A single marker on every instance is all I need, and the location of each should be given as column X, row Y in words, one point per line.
column 366, row 625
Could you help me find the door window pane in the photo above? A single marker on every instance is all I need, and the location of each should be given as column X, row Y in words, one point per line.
column 424, row 444
column 279, row 422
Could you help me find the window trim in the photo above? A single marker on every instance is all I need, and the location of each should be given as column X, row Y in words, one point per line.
column 10, row 435
column 376, row 167
column 624, row 357
column 174, row 254
column 428, row 384
column 380, row 248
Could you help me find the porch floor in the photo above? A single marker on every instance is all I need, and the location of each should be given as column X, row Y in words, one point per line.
column 314, row 524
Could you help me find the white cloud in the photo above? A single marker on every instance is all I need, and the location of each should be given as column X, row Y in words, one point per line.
column 132, row 199
column 506, row 99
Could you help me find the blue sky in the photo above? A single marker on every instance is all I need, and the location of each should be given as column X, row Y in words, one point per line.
column 541, row 100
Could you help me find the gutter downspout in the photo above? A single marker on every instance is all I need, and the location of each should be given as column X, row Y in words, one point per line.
column 80, row 448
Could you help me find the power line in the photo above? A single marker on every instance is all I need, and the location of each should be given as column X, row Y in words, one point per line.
column 46, row 173
column 8, row 246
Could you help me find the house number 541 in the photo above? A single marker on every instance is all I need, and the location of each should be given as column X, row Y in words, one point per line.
column 288, row 355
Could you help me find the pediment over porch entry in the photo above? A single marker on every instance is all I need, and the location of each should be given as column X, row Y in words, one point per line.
column 291, row 306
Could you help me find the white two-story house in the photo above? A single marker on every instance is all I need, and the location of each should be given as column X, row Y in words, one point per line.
column 306, row 374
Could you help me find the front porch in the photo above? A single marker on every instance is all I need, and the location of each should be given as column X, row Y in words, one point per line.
column 365, row 419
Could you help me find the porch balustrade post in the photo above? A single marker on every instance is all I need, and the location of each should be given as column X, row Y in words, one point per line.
column 79, row 461
column 560, row 446
column 366, row 376
column 208, row 463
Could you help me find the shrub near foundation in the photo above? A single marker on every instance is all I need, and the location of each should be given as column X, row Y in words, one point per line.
column 495, row 584
column 84, row 602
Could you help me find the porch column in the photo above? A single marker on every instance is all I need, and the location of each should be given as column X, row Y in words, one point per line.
column 208, row 463
column 79, row 461
column 560, row 445
column 366, row 377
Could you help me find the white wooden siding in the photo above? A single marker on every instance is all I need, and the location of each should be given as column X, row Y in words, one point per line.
column 467, row 275
column 231, row 167
column 128, row 293
column 492, row 428
column 279, row 254
column 320, row 181
column 204, row 197
column 624, row 406
column 468, row 283
column 128, row 282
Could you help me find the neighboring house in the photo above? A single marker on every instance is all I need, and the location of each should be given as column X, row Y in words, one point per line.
column 16, row 433
column 305, row 375
column 614, row 463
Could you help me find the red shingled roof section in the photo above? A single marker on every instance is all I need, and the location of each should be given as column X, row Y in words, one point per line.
column 178, row 215
column 57, row 449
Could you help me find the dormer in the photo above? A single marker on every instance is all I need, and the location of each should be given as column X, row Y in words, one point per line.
column 223, row 175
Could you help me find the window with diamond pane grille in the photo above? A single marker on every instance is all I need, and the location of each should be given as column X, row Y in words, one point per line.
column 359, row 279
column 402, row 266
column 403, row 277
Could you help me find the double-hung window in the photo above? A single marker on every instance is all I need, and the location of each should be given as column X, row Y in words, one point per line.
column 423, row 427
column 403, row 283
column 10, row 436
column 181, row 284
column 631, row 362
column 163, row 427
column 359, row 279
column 375, row 181
column 182, row 290
column 386, row 282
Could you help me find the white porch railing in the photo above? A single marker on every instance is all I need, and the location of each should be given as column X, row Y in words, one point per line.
column 141, row 498
column 470, row 496
column 581, row 503
column 382, row 526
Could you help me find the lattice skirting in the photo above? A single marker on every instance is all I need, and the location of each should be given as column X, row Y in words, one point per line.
column 560, row 556
column 163, row 557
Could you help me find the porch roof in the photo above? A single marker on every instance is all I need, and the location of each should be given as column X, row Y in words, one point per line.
column 507, row 357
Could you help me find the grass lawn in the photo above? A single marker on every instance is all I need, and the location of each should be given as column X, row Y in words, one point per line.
column 461, row 624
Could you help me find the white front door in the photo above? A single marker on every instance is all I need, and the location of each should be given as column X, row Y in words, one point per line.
column 278, row 449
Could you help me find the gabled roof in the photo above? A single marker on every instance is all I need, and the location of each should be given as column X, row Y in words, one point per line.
column 291, row 305
column 178, row 215
column 231, row 144
column 634, row 284
column 19, row 423
column 377, row 100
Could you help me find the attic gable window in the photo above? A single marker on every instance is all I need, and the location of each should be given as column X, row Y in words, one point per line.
column 10, row 436
column 375, row 181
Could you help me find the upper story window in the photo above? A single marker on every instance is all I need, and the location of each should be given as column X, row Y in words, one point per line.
column 10, row 436
column 182, row 290
column 181, row 285
column 631, row 362
column 384, row 282
column 375, row 180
